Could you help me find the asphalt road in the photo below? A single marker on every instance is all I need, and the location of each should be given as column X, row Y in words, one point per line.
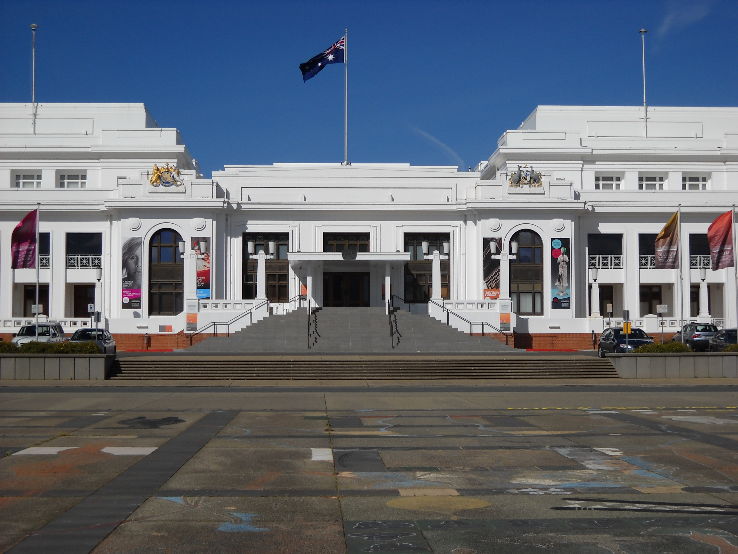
column 452, row 467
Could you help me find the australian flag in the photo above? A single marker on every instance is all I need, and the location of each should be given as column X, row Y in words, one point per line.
column 335, row 54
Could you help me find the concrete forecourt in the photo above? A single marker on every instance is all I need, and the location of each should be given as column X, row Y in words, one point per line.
column 310, row 466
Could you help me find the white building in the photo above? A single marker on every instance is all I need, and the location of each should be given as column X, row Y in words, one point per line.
column 573, row 188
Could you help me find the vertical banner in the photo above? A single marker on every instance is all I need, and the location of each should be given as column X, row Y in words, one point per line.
column 491, row 268
column 131, row 274
column 201, row 247
column 560, row 285
column 667, row 244
column 720, row 239
column 23, row 242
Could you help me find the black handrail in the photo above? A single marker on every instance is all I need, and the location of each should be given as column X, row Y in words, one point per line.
column 401, row 299
column 312, row 326
column 214, row 324
column 392, row 321
column 462, row 318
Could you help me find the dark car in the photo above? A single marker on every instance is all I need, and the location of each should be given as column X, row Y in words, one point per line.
column 721, row 339
column 615, row 341
column 102, row 338
column 696, row 335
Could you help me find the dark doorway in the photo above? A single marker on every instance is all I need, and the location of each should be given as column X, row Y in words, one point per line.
column 345, row 289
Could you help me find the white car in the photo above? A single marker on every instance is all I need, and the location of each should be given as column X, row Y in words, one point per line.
column 47, row 332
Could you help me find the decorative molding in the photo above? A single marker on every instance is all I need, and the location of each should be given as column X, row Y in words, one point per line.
column 199, row 224
column 495, row 225
column 134, row 223
column 558, row 225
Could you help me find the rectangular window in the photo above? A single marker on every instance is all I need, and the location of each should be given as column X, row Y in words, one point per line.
column 346, row 242
column 72, row 181
column 694, row 182
column 698, row 245
column 84, row 244
column 29, row 299
column 602, row 244
column 650, row 297
column 84, row 295
column 27, row 180
column 651, row 182
column 607, row 182
column 647, row 244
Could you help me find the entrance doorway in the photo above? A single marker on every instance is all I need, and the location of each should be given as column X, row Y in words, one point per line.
column 345, row 289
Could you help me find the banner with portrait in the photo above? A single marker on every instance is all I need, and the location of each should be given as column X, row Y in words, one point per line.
column 560, row 274
column 201, row 248
column 131, row 273
column 491, row 267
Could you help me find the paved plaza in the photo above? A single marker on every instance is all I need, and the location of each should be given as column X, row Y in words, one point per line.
column 469, row 467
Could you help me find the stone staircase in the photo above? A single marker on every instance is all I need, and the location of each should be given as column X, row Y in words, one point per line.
column 355, row 343
column 350, row 330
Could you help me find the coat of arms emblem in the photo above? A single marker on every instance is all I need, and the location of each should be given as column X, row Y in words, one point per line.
column 525, row 176
column 165, row 176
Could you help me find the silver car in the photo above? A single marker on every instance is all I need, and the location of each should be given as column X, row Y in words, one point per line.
column 102, row 338
column 49, row 331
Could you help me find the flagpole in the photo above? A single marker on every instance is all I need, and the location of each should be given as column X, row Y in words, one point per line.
column 735, row 264
column 681, row 274
column 33, row 73
column 38, row 248
column 643, row 69
column 345, row 98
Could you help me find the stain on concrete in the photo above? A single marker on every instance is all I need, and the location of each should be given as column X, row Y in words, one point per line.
column 142, row 422
column 242, row 524
column 446, row 505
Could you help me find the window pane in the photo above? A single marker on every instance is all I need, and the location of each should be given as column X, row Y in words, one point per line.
column 526, row 302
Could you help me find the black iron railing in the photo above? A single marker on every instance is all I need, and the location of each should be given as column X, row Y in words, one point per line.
column 312, row 325
column 394, row 331
column 215, row 324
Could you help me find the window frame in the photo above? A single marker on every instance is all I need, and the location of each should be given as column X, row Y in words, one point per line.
column 65, row 181
column 20, row 179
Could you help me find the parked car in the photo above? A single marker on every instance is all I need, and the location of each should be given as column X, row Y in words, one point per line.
column 615, row 341
column 696, row 335
column 721, row 339
column 50, row 331
column 104, row 340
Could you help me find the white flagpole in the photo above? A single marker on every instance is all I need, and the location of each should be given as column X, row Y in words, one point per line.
column 735, row 264
column 681, row 272
column 38, row 257
column 345, row 98
column 643, row 69
column 33, row 73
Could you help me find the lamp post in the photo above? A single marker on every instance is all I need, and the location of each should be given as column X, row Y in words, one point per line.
column 704, row 298
column 98, row 276
column 594, row 297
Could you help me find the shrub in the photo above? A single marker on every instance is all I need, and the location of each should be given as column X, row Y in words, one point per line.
column 731, row 348
column 8, row 348
column 59, row 348
column 666, row 348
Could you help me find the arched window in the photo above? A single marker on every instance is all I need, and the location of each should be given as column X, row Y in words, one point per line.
column 526, row 274
column 166, row 274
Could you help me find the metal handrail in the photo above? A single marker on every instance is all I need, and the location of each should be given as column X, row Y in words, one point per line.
column 312, row 326
column 214, row 324
column 392, row 321
column 462, row 318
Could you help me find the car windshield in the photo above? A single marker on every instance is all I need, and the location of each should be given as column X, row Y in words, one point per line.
column 86, row 334
column 634, row 334
column 30, row 331
column 705, row 329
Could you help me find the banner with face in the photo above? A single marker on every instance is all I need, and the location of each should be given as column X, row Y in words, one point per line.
column 560, row 272
column 131, row 273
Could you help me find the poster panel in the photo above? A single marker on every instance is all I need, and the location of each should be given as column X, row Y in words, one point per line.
column 201, row 248
column 491, row 268
column 131, row 273
column 560, row 271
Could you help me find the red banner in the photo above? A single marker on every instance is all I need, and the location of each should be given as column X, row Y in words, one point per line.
column 720, row 239
column 23, row 242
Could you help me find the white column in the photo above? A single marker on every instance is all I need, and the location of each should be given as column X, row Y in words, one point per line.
column 309, row 281
column 703, row 300
column 436, row 277
column 261, row 276
column 387, row 285
column 594, row 300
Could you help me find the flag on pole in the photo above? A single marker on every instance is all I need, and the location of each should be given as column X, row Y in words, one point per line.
column 720, row 239
column 667, row 244
column 23, row 242
column 334, row 54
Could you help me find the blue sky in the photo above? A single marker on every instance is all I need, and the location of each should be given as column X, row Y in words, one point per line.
column 431, row 82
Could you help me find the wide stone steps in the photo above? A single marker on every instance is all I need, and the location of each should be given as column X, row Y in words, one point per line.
column 206, row 367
